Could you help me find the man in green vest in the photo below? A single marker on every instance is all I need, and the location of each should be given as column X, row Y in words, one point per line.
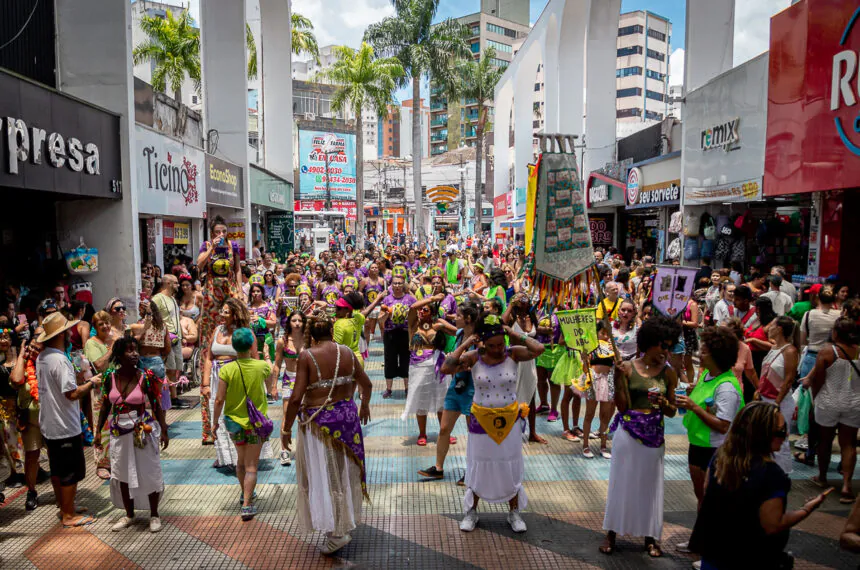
column 713, row 403
column 453, row 267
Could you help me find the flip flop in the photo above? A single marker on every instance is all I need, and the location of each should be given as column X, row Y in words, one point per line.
column 817, row 482
column 79, row 510
column 83, row 521
column 846, row 498
column 452, row 440
column 422, row 441
column 103, row 473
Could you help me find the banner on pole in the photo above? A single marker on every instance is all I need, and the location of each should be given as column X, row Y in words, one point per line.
column 673, row 286
column 579, row 328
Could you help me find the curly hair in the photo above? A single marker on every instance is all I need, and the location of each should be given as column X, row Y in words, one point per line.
column 498, row 278
column 722, row 343
column 657, row 330
column 735, row 325
column 120, row 347
column 319, row 327
column 241, row 315
column 748, row 442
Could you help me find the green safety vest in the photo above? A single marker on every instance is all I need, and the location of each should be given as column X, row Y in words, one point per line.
column 498, row 291
column 452, row 270
column 697, row 430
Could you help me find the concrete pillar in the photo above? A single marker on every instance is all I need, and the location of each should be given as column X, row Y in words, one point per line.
column 524, row 113
column 225, row 88
column 277, row 87
column 571, row 65
column 710, row 33
column 503, row 102
column 600, row 53
column 94, row 64
column 550, row 75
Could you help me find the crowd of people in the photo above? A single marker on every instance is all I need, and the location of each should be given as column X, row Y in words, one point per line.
column 463, row 332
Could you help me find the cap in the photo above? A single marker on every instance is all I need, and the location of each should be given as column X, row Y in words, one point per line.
column 816, row 289
column 341, row 302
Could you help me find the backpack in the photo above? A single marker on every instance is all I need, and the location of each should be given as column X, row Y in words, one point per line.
column 691, row 249
column 676, row 223
column 691, row 225
column 673, row 252
column 707, row 226
column 739, row 251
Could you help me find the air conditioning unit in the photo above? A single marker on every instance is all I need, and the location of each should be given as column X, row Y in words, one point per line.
column 310, row 117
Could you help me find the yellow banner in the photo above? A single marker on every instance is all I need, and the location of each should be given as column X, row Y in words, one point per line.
column 531, row 195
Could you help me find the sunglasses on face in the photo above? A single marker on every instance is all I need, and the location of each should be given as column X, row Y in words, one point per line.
column 118, row 309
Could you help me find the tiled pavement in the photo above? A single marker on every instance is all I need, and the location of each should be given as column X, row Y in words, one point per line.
column 410, row 524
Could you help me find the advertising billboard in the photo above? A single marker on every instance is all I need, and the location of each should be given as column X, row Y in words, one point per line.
column 314, row 148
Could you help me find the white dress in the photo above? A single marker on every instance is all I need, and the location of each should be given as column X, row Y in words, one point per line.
column 526, row 371
column 139, row 468
column 427, row 389
column 494, row 472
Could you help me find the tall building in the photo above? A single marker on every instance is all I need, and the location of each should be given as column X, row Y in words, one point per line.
column 306, row 70
column 406, row 128
column 642, row 67
column 452, row 123
column 511, row 10
column 388, row 134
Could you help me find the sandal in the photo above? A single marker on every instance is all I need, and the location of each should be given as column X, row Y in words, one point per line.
column 608, row 546
column 248, row 512
column 85, row 520
column 452, row 440
column 654, row 550
column 846, row 498
column 800, row 457
column 535, row 438
column 422, row 441
column 587, row 453
column 605, row 453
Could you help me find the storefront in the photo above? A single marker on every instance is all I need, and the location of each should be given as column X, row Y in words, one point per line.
column 225, row 197
column 171, row 198
column 723, row 166
column 55, row 149
column 501, row 215
column 813, row 145
column 605, row 201
column 271, row 213
column 653, row 194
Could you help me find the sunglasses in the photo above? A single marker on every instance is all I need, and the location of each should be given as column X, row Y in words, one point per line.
column 118, row 309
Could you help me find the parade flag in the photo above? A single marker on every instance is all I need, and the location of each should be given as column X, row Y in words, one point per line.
column 531, row 197
column 579, row 328
column 673, row 286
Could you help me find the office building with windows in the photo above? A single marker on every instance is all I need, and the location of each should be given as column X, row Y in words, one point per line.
column 642, row 67
column 453, row 123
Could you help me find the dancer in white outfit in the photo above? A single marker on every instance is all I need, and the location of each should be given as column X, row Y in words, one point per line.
column 494, row 453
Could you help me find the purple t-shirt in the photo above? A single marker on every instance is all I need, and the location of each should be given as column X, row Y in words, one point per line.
column 448, row 305
column 545, row 320
column 398, row 311
column 220, row 262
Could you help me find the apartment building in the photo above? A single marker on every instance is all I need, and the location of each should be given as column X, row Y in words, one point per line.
column 453, row 123
column 388, row 134
column 642, row 67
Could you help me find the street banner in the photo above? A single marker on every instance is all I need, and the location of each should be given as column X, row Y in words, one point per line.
column 673, row 286
column 579, row 328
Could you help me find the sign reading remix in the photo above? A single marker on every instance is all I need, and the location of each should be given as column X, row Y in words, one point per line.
column 326, row 163
column 721, row 136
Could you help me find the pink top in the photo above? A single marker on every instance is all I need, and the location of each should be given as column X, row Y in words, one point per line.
column 134, row 399
column 744, row 362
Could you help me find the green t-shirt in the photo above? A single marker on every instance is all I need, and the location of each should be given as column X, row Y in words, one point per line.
column 255, row 372
column 94, row 349
column 348, row 331
column 798, row 310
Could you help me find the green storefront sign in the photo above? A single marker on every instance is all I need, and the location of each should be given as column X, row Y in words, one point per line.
column 270, row 191
column 280, row 233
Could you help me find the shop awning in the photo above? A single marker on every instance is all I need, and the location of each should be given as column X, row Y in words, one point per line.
column 513, row 223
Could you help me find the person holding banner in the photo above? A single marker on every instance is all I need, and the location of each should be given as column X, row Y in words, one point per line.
column 494, row 452
column 549, row 334
column 598, row 387
column 644, row 394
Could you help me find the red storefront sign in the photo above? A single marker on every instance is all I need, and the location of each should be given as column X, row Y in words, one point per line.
column 345, row 206
column 813, row 127
column 500, row 206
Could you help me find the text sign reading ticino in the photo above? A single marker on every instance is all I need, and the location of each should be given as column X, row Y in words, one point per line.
column 721, row 136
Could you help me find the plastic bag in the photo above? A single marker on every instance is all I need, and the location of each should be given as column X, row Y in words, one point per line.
column 676, row 223
column 804, row 404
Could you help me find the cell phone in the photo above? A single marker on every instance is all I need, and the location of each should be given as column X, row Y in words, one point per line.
column 22, row 319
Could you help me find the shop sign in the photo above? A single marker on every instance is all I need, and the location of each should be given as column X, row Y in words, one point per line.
column 737, row 192
column 602, row 229
column 641, row 196
column 345, row 206
column 280, row 233
column 723, row 135
column 268, row 190
column 634, row 181
column 169, row 176
column 813, row 131
column 54, row 143
column 176, row 233
column 500, row 206
column 236, row 233
column 225, row 183
column 597, row 194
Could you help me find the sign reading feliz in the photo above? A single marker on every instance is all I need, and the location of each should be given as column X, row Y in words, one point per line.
column 579, row 328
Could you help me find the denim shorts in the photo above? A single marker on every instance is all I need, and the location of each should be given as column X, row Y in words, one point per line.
column 459, row 402
column 154, row 363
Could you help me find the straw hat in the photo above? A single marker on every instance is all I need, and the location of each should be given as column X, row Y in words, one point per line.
column 55, row 324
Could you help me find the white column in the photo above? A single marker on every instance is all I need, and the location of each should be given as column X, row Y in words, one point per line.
column 225, row 87
column 600, row 84
column 710, row 33
column 94, row 64
column 550, row 75
column 571, row 65
column 501, row 149
column 524, row 113
column 277, row 87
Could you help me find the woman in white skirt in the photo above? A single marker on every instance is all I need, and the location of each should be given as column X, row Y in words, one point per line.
column 644, row 394
column 778, row 371
column 427, row 387
column 330, row 461
column 520, row 316
column 135, row 435
column 287, row 350
column 494, row 453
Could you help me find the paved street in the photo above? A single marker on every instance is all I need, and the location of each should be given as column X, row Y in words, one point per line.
column 411, row 524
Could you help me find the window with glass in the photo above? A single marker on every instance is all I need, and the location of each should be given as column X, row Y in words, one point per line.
column 655, row 55
column 654, row 116
column 499, row 62
column 499, row 46
column 476, row 47
column 656, row 35
column 629, row 92
column 654, row 95
column 622, row 113
column 629, row 50
column 651, row 74
column 630, row 30
column 628, row 71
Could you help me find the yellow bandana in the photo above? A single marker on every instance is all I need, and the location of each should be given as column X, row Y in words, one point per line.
column 498, row 422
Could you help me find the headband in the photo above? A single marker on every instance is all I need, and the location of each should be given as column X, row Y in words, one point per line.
column 495, row 327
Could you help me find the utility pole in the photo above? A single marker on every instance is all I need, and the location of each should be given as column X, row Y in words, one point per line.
column 463, row 226
column 384, row 189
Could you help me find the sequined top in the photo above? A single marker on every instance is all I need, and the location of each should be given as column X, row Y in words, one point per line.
column 329, row 382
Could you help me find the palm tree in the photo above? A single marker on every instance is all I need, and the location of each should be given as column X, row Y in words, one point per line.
column 251, row 46
column 423, row 49
column 303, row 38
column 173, row 45
column 364, row 82
column 477, row 80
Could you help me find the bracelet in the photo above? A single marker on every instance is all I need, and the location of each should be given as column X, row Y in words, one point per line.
column 523, row 338
column 286, row 432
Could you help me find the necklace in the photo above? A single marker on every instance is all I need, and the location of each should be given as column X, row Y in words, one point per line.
column 426, row 326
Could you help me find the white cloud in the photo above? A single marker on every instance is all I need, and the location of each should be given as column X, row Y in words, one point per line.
column 342, row 21
column 752, row 27
column 676, row 67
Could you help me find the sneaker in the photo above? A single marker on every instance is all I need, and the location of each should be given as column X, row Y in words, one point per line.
column 335, row 543
column 386, row 394
column 515, row 519
column 32, row 501
column 802, row 443
column 432, row 473
column 248, row 512
column 242, row 498
column 683, row 547
column 470, row 521
column 285, row 458
column 154, row 524
column 606, row 453
column 122, row 524
column 553, row 417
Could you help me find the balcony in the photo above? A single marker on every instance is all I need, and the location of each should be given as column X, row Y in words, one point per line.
column 439, row 122
column 470, row 101
column 438, row 107
column 439, row 137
